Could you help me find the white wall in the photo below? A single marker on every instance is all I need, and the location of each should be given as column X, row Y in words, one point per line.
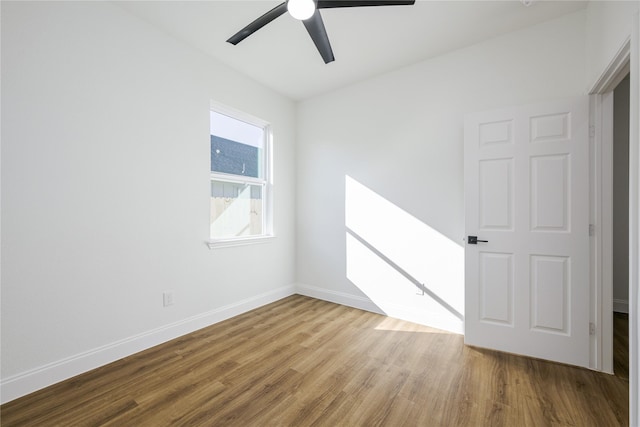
column 621, row 197
column 397, row 140
column 105, row 192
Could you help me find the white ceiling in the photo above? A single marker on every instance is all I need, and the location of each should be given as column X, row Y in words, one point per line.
column 366, row 41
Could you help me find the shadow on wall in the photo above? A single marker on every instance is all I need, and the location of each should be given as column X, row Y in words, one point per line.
column 408, row 269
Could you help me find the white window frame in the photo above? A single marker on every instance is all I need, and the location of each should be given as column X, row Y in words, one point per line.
column 266, row 182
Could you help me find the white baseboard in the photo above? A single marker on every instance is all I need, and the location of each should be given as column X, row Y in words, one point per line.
column 620, row 306
column 341, row 298
column 27, row 382
column 455, row 326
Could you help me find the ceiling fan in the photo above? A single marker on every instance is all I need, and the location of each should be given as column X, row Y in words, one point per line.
column 307, row 12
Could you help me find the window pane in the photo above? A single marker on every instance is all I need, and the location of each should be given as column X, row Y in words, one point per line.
column 237, row 147
column 236, row 209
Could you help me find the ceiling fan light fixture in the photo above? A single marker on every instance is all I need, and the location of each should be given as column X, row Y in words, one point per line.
column 305, row 10
column 301, row 9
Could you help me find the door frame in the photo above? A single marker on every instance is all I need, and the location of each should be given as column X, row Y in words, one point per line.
column 601, row 286
column 626, row 60
column 601, row 132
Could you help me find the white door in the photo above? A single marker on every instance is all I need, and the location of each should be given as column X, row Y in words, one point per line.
column 527, row 195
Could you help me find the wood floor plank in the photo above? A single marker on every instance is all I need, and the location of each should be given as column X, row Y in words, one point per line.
column 306, row 362
column 621, row 345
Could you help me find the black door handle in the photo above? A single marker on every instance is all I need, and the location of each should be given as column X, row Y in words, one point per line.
column 473, row 240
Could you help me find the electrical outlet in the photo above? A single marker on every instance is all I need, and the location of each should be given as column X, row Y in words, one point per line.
column 167, row 298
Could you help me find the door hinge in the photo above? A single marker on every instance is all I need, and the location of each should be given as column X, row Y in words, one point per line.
column 592, row 230
column 592, row 131
column 592, row 328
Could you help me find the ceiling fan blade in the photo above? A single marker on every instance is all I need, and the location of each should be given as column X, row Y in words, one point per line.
column 315, row 27
column 258, row 23
column 327, row 4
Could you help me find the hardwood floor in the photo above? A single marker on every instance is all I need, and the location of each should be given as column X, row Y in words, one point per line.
column 305, row 362
column 621, row 345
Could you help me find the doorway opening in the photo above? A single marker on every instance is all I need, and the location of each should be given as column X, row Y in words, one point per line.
column 620, row 228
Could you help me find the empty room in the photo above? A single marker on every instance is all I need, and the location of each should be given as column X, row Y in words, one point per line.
column 319, row 212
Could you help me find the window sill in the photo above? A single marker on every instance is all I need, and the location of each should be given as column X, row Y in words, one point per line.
column 226, row 243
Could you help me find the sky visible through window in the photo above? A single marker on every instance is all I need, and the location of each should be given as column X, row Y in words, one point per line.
column 236, row 130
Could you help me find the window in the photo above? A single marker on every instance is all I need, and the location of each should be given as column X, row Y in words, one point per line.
column 239, row 177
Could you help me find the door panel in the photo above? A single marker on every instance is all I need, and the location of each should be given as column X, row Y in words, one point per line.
column 550, row 128
column 496, row 287
column 496, row 194
column 526, row 193
column 549, row 291
column 550, row 188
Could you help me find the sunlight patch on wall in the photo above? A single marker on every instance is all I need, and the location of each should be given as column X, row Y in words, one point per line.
column 408, row 269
